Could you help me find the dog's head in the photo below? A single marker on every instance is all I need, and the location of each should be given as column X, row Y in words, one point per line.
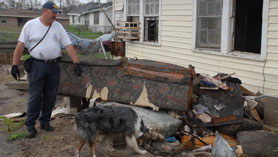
column 145, row 136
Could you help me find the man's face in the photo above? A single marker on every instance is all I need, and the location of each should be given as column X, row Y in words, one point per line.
column 50, row 16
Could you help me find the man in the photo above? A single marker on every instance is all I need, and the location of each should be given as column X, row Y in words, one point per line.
column 44, row 76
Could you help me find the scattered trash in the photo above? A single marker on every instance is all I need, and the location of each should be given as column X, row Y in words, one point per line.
column 170, row 139
column 221, row 148
column 203, row 148
column 14, row 115
column 219, row 107
column 204, row 117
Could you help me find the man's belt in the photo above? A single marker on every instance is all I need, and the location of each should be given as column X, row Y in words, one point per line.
column 48, row 60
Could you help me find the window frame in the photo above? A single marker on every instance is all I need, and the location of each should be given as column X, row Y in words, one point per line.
column 226, row 46
column 3, row 18
column 142, row 24
column 98, row 21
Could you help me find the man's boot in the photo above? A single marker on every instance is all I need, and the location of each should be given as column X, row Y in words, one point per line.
column 47, row 127
column 31, row 132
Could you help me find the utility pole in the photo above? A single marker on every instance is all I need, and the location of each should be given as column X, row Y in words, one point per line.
column 60, row 4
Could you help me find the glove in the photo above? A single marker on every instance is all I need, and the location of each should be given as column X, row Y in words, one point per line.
column 77, row 70
column 15, row 72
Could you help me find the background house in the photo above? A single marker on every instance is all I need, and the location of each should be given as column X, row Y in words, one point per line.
column 215, row 36
column 91, row 15
column 13, row 18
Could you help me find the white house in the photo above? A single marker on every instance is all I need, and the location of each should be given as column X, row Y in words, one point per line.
column 215, row 36
column 91, row 15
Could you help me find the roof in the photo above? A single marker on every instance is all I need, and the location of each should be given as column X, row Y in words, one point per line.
column 26, row 13
column 91, row 6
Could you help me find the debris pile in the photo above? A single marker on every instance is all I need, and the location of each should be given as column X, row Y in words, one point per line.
column 209, row 116
column 219, row 110
column 220, row 104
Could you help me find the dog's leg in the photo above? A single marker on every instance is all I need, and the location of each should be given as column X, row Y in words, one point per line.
column 93, row 145
column 131, row 142
column 107, row 143
column 80, row 145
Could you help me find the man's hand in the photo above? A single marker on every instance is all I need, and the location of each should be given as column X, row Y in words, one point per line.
column 15, row 72
column 77, row 69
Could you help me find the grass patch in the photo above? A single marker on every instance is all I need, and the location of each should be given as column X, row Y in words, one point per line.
column 8, row 122
column 9, row 33
column 11, row 124
column 99, row 55
column 16, row 136
column 12, row 34
column 9, row 36
column 83, row 32
column 45, row 137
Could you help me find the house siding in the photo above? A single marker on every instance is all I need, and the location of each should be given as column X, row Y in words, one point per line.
column 176, row 47
column 11, row 22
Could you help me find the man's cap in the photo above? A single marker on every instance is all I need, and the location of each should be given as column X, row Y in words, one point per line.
column 52, row 6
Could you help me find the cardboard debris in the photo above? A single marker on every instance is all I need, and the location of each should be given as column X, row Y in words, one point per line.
column 209, row 140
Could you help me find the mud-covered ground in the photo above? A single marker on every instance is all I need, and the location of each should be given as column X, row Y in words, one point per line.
column 61, row 142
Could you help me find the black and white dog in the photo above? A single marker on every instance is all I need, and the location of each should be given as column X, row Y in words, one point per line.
column 108, row 120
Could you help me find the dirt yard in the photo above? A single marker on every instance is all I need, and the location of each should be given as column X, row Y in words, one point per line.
column 61, row 142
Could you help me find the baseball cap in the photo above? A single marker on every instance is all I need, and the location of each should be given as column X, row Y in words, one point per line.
column 52, row 6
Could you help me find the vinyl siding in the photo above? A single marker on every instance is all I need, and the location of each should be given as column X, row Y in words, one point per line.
column 118, row 5
column 176, row 47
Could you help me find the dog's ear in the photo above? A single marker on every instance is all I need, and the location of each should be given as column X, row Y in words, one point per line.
column 143, row 128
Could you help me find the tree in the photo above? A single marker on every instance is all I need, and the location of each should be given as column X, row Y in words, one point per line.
column 67, row 5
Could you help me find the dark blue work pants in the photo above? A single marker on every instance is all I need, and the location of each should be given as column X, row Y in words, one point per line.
column 44, row 80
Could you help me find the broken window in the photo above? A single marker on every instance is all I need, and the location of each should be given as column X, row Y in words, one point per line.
column 96, row 18
column 151, row 29
column 151, row 20
column 209, row 14
column 248, row 25
column 230, row 26
column 149, row 17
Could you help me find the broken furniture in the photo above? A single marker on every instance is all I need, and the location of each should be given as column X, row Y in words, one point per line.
column 135, row 82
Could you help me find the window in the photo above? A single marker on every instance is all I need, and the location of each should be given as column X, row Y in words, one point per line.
column 147, row 13
column 230, row 26
column 248, row 25
column 96, row 18
column 3, row 19
column 133, row 7
column 151, row 29
column 86, row 19
column 73, row 20
column 133, row 10
column 151, row 20
column 21, row 21
column 209, row 24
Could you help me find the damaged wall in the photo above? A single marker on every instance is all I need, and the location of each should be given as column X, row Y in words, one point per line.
column 175, row 46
